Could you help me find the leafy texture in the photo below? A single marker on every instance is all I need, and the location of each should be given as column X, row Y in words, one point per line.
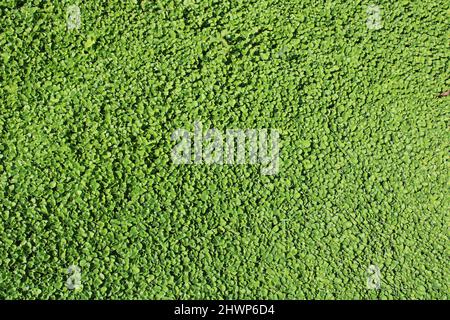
column 86, row 178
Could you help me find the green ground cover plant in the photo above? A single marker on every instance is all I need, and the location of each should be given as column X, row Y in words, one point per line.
column 88, row 106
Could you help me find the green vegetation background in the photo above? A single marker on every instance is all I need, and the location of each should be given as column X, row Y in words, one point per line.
column 86, row 176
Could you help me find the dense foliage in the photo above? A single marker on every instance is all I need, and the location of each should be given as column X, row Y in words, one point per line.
column 86, row 178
